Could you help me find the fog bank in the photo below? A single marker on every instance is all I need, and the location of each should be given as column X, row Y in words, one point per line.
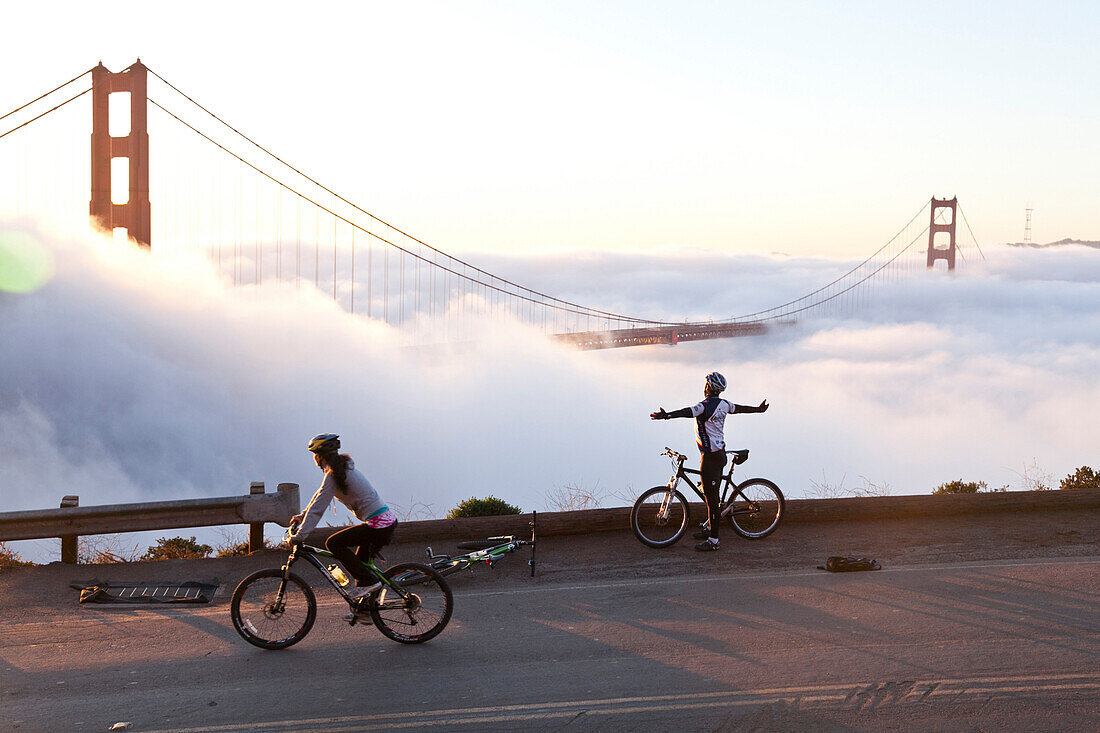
column 137, row 377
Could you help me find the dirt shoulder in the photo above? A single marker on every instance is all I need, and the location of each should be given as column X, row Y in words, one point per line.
column 40, row 592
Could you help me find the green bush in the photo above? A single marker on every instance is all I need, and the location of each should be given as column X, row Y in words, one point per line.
column 1083, row 478
column 490, row 506
column 172, row 548
column 961, row 487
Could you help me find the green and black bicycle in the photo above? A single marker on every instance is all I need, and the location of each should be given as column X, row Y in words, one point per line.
column 487, row 551
column 276, row 608
column 661, row 515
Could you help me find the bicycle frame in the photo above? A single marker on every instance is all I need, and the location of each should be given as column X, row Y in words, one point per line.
column 313, row 554
column 728, row 490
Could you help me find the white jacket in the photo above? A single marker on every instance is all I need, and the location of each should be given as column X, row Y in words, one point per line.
column 361, row 498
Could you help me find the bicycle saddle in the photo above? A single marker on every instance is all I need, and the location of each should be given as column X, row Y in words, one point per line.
column 739, row 456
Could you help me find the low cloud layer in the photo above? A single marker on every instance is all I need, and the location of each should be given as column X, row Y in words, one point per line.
column 130, row 377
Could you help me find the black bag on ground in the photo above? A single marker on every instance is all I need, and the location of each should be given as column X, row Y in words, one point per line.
column 838, row 564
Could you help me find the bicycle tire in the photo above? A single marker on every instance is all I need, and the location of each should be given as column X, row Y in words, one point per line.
column 764, row 521
column 480, row 544
column 655, row 532
column 432, row 607
column 257, row 620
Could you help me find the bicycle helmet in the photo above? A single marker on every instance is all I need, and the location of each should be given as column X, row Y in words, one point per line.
column 324, row 443
column 716, row 382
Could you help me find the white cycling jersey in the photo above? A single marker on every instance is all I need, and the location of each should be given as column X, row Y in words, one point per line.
column 710, row 419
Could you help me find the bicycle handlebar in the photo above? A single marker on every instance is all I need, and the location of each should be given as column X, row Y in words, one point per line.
column 674, row 455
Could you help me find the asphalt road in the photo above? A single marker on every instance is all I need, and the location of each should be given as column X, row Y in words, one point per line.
column 1012, row 645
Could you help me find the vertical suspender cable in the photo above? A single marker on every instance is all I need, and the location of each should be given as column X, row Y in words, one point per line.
column 259, row 253
column 370, row 274
column 297, row 242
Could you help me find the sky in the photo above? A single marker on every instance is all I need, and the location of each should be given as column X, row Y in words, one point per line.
column 717, row 158
column 805, row 128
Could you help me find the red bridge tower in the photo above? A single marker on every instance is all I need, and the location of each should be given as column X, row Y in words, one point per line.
column 134, row 215
column 948, row 252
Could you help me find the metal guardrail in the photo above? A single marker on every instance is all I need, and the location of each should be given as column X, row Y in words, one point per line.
column 798, row 511
column 72, row 520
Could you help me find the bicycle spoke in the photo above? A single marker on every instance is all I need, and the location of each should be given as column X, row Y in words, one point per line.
column 756, row 508
column 268, row 618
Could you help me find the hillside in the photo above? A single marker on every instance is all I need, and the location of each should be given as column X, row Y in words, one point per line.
column 1059, row 243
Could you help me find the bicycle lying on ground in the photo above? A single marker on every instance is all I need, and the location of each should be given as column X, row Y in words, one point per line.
column 275, row 608
column 661, row 515
column 487, row 551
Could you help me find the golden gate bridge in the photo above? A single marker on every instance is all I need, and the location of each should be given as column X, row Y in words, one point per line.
column 260, row 219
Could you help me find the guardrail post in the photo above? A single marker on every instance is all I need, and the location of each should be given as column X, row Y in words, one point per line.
column 68, row 542
column 256, row 529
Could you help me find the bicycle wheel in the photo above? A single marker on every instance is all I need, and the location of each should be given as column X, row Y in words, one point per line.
column 660, row 517
column 479, row 544
column 756, row 508
column 272, row 615
column 422, row 614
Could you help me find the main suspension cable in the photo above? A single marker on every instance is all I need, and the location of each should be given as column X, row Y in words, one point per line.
column 399, row 231
column 36, row 99
column 52, row 109
column 834, row 282
column 971, row 232
column 570, row 307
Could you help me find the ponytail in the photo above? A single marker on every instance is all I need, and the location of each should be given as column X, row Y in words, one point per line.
column 338, row 464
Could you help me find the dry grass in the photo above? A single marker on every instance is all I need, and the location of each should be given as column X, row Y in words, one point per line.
column 574, row 498
column 1034, row 478
column 233, row 545
column 824, row 489
column 104, row 549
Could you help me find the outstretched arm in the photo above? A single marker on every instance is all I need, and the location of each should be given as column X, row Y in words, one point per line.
column 762, row 407
column 662, row 415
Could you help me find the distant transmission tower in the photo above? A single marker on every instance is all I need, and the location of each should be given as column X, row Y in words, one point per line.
column 1027, row 225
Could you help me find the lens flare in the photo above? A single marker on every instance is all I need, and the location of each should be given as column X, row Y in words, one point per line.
column 25, row 264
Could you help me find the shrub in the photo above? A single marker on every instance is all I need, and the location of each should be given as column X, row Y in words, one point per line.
column 172, row 548
column 490, row 506
column 961, row 487
column 10, row 558
column 1083, row 478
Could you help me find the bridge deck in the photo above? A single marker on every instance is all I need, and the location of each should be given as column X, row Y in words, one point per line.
column 670, row 335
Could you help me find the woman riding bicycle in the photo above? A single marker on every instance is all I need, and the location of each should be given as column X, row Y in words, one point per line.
column 354, row 545
column 710, row 416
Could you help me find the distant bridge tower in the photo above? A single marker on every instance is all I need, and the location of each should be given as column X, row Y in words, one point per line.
column 134, row 215
column 942, row 253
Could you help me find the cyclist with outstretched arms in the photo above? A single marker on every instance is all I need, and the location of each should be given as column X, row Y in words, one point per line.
column 710, row 417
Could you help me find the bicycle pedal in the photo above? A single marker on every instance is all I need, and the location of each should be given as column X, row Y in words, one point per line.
column 353, row 618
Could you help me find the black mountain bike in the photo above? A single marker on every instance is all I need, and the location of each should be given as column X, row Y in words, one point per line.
column 275, row 608
column 661, row 515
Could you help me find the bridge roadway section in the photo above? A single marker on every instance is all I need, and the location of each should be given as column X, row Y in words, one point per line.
column 976, row 623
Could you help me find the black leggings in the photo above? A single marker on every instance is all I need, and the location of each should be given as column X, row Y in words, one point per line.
column 711, row 467
column 356, row 545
